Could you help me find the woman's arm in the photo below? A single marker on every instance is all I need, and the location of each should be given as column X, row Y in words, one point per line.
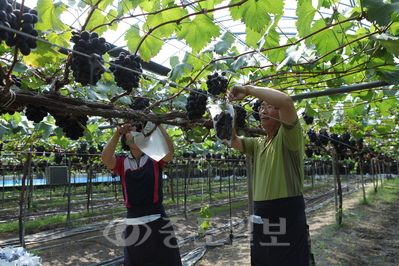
column 108, row 153
column 169, row 142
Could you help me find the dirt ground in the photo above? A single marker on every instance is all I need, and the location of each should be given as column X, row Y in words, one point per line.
column 369, row 236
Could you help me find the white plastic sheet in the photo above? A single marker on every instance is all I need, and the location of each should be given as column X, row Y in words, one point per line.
column 154, row 145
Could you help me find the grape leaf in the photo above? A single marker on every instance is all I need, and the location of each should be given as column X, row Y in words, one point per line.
column 198, row 32
column 255, row 14
column 180, row 70
column 379, row 11
column 165, row 16
column 49, row 14
column 355, row 110
column 47, row 129
column 149, row 6
column 3, row 131
column 225, row 43
column 388, row 41
column 43, row 55
column 98, row 18
column 325, row 40
column 272, row 39
column 305, row 12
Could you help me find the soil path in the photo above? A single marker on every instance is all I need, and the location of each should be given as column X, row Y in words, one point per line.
column 369, row 236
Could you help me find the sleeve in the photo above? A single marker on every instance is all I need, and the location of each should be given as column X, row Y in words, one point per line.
column 119, row 167
column 249, row 145
column 293, row 136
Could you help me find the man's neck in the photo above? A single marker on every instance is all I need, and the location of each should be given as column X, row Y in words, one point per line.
column 271, row 132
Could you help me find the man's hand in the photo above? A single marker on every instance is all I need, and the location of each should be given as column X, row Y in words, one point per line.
column 237, row 93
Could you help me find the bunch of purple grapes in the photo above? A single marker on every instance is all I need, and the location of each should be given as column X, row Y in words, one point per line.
column 241, row 115
column 196, row 104
column 125, row 78
column 216, row 83
column 35, row 113
column 308, row 119
column 93, row 45
column 25, row 22
column 140, row 103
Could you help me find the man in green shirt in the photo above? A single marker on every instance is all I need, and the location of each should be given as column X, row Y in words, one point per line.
column 279, row 231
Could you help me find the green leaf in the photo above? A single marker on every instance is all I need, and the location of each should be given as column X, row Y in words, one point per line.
column 91, row 128
column 382, row 129
column 49, row 16
column 272, row 39
column 391, row 91
column 43, row 55
column 254, row 38
column 105, row 4
column 93, row 95
column 309, row 110
column 174, row 132
column 255, row 14
column 180, row 103
column 389, row 42
column 379, row 11
column 209, row 4
column 3, row 131
column 104, row 88
column 366, row 95
column 132, row 37
column 150, row 47
column 98, row 18
column 305, row 12
column 325, row 40
column 198, row 32
column 165, row 16
column 198, row 62
column 47, row 128
column 173, row 61
column 20, row 67
column 149, row 6
column 225, row 43
column 385, row 107
column 354, row 111
column 391, row 77
column 196, row 133
column 240, row 62
column 180, row 70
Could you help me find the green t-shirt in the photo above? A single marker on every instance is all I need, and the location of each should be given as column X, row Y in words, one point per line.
column 278, row 168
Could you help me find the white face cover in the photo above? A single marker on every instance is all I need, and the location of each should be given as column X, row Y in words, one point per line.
column 154, row 145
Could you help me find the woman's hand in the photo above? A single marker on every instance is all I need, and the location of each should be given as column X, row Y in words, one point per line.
column 124, row 129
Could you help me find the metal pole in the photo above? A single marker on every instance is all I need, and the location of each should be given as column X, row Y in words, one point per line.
column 69, row 195
column 339, row 90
